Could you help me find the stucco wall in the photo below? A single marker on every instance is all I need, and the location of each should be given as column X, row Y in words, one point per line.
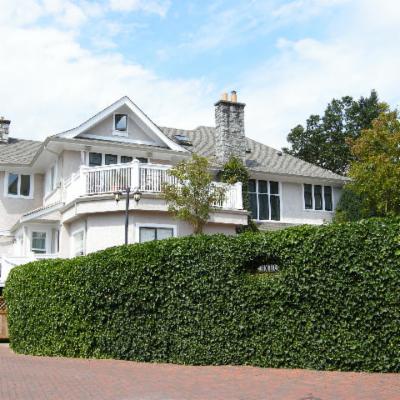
column 293, row 205
column 136, row 129
column 12, row 208
column 71, row 161
column 107, row 229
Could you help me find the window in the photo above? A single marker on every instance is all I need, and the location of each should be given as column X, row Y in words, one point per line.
column 79, row 243
column 121, row 122
column 328, row 198
column 95, row 159
column 38, row 244
column 111, row 159
column 142, row 160
column 52, row 177
column 318, row 197
column 126, row 159
column 147, row 234
column 308, row 197
column 19, row 185
column 264, row 200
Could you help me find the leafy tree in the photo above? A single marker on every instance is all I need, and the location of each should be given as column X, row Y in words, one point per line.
column 350, row 207
column 375, row 172
column 192, row 196
column 235, row 171
column 324, row 140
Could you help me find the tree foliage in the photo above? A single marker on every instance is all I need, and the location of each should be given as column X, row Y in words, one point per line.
column 375, row 172
column 324, row 140
column 235, row 171
column 192, row 196
column 350, row 207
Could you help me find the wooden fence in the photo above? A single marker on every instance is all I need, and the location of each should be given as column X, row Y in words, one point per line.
column 3, row 319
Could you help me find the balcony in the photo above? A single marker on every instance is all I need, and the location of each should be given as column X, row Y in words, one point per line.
column 148, row 178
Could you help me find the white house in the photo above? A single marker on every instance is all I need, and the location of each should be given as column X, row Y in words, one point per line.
column 57, row 196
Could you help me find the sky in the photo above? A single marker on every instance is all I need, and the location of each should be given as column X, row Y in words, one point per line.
column 62, row 61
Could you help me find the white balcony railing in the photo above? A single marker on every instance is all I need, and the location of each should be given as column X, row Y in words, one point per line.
column 148, row 178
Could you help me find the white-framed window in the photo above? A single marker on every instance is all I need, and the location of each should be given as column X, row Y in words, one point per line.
column 146, row 233
column 51, row 179
column 79, row 243
column 38, row 242
column 264, row 200
column 120, row 125
column 318, row 197
column 99, row 159
column 18, row 185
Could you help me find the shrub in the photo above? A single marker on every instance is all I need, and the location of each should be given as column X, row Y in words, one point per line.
column 334, row 304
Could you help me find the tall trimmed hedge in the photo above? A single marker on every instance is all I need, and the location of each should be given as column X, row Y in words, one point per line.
column 335, row 304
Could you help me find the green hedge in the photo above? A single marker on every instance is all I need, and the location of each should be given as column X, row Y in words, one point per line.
column 335, row 304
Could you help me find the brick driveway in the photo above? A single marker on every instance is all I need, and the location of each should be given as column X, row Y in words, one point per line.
column 43, row 378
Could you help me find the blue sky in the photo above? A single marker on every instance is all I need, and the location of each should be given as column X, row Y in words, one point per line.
column 64, row 60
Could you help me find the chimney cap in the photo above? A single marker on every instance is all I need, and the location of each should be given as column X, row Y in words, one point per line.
column 231, row 100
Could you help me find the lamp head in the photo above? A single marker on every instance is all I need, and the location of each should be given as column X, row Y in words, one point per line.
column 137, row 195
column 117, row 196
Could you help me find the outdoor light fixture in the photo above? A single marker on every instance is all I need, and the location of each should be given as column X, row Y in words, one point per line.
column 136, row 196
column 117, row 196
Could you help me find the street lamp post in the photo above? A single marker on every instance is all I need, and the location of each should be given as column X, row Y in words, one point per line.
column 136, row 196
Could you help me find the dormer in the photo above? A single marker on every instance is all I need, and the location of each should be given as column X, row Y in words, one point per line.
column 123, row 122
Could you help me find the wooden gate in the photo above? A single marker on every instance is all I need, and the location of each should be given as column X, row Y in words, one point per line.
column 3, row 319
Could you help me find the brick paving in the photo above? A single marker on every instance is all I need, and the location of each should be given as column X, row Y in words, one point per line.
column 45, row 378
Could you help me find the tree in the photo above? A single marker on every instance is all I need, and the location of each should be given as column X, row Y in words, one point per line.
column 235, row 171
column 193, row 195
column 324, row 140
column 350, row 207
column 375, row 172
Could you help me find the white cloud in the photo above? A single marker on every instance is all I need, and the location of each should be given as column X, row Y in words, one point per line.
column 308, row 73
column 159, row 7
column 49, row 83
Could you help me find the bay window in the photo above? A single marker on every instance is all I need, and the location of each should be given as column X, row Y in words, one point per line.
column 264, row 200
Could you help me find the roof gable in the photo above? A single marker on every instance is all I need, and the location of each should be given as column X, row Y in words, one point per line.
column 141, row 129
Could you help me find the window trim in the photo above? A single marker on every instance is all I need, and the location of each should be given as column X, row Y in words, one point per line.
column 117, row 132
column 19, row 196
column 313, row 198
column 269, row 200
column 155, row 226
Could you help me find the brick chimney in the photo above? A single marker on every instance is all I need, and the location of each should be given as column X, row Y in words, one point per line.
column 230, row 139
column 4, row 129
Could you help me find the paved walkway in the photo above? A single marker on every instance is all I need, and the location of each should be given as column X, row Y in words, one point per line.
column 44, row 378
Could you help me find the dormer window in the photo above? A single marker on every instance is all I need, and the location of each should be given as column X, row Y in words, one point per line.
column 121, row 122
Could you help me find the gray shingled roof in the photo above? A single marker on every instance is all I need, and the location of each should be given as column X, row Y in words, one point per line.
column 260, row 157
column 18, row 151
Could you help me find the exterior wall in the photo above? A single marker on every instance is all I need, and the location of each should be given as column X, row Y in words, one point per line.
column 11, row 209
column 136, row 130
column 293, row 211
column 107, row 229
column 71, row 161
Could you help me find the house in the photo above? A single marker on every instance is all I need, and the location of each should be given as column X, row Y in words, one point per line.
column 57, row 196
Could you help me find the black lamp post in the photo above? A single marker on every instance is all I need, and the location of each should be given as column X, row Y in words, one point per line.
column 136, row 196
